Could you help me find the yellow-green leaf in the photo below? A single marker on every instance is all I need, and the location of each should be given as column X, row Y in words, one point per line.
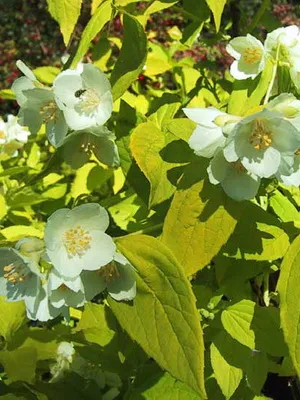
column 200, row 219
column 12, row 317
column 282, row 207
column 46, row 74
column 228, row 376
column 156, row 153
column 3, row 207
column 268, row 240
column 100, row 17
column 217, row 7
column 289, row 291
column 19, row 364
column 66, row 13
column 251, row 325
column 95, row 323
column 163, row 317
column 16, row 232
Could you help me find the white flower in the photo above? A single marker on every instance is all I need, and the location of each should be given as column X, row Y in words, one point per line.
column 19, row 275
column 84, row 96
column 65, row 353
column 12, row 136
column 66, row 350
column 208, row 135
column 16, row 131
column 65, row 292
column 118, row 277
column 38, row 106
column 235, row 180
column 249, row 57
column 288, row 40
column 260, row 140
column 75, row 239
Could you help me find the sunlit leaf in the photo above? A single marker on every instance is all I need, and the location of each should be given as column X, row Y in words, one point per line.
column 163, row 317
column 66, row 13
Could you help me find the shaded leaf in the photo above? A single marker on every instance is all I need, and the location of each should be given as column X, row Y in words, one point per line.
column 163, row 317
column 132, row 56
column 100, row 17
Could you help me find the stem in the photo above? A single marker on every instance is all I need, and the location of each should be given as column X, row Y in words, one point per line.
column 271, row 84
column 266, row 295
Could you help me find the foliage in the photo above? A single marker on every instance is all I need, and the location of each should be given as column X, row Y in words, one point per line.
column 149, row 204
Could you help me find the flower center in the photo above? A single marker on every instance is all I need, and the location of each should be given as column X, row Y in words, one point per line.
column 88, row 148
column 89, row 102
column 260, row 137
column 76, row 241
column 63, row 287
column 109, row 272
column 48, row 112
column 2, row 135
column 252, row 55
column 238, row 166
column 15, row 273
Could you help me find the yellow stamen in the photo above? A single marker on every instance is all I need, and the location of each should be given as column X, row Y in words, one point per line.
column 76, row 241
column 109, row 272
column 260, row 137
column 48, row 112
column 252, row 55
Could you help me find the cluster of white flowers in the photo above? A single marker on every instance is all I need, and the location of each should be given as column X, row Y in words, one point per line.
column 12, row 137
column 80, row 101
column 245, row 149
column 282, row 46
column 266, row 142
column 76, row 261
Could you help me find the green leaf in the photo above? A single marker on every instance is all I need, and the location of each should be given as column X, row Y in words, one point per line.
column 46, row 74
column 96, row 324
column 163, row 317
column 282, row 207
column 159, row 157
column 164, row 115
column 268, row 240
column 200, row 219
column 158, row 385
column 95, row 4
column 19, row 364
column 101, row 16
column 3, row 207
column 289, row 291
column 132, row 56
column 181, row 128
column 235, row 356
column 7, row 94
column 227, row 375
column 12, row 317
column 260, row 90
column 66, row 13
column 251, row 325
column 16, row 232
column 248, row 94
column 14, row 171
column 217, row 7
column 159, row 5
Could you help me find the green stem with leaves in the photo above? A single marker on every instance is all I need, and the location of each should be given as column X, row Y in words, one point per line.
column 274, row 72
